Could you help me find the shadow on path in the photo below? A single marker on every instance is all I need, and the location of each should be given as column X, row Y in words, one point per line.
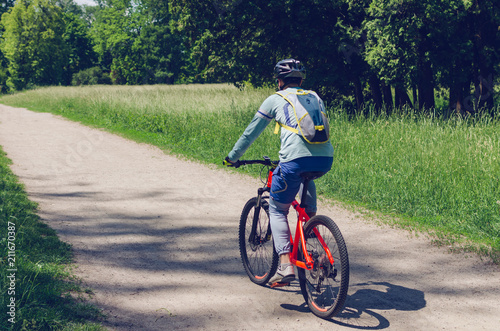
column 359, row 311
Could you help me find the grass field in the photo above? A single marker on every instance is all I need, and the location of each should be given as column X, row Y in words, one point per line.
column 38, row 289
column 423, row 173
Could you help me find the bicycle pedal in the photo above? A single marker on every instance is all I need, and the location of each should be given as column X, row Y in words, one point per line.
column 279, row 284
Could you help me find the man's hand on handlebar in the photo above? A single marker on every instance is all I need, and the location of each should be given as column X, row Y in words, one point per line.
column 229, row 163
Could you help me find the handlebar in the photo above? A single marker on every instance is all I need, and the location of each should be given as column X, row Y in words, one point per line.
column 266, row 162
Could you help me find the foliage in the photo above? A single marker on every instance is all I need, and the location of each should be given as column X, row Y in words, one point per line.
column 80, row 44
column 33, row 44
column 5, row 5
column 241, row 41
column 91, row 76
column 134, row 41
column 3, row 80
column 424, row 43
column 380, row 53
column 357, row 48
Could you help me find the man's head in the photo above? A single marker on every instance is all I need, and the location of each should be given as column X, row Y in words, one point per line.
column 289, row 72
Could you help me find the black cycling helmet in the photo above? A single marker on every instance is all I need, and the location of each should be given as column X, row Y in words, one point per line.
column 289, row 68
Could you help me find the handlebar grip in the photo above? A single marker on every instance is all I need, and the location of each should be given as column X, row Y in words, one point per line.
column 228, row 163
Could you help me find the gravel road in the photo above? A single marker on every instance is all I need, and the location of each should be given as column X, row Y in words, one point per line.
column 155, row 237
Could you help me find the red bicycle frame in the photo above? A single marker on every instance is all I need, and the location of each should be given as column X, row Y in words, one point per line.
column 302, row 218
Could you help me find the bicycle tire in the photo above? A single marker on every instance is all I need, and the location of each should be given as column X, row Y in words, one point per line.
column 258, row 255
column 325, row 286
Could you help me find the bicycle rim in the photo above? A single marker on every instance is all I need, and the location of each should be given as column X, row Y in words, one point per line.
column 325, row 286
column 259, row 258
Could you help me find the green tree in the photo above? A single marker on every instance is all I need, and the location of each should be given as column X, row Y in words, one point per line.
column 471, row 65
column 33, row 44
column 400, row 38
column 5, row 5
column 113, row 38
column 236, row 41
column 425, row 44
column 79, row 42
column 70, row 6
column 158, row 50
column 239, row 42
column 352, row 48
column 135, row 41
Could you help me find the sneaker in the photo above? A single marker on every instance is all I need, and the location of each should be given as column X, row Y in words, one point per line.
column 285, row 274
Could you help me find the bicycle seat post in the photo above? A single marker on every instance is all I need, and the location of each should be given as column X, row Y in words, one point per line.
column 308, row 176
column 304, row 193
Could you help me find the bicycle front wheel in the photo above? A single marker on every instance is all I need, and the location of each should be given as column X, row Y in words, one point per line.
column 325, row 286
column 258, row 255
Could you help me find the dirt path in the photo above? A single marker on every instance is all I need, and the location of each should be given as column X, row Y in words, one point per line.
column 155, row 238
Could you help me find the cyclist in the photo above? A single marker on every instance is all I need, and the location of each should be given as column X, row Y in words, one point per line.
column 297, row 156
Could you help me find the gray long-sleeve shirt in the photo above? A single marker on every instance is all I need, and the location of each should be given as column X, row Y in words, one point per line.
column 293, row 146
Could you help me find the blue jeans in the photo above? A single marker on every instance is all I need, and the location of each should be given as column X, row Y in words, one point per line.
column 287, row 182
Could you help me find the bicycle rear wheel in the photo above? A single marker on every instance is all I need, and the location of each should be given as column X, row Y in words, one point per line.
column 325, row 286
column 258, row 255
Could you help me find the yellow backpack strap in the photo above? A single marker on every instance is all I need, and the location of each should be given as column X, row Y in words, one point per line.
column 278, row 124
column 277, row 128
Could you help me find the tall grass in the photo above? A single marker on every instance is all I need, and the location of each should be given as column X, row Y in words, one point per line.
column 434, row 175
column 34, row 273
column 442, row 176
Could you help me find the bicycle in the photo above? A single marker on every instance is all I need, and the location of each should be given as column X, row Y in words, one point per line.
column 319, row 251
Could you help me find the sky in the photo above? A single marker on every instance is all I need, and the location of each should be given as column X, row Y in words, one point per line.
column 85, row 2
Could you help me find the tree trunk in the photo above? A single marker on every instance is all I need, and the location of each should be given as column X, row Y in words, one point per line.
column 401, row 98
column 376, row 93
column 455, row 99
column 484, row 88
column 486, row 32
column 425, row 87
column 387, row 93
column 425, row 76
column 415, row 96
column 482, row 78
column 460, row 98
column 358, row 93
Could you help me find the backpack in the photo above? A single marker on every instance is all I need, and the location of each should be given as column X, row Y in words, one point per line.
column 312, row 123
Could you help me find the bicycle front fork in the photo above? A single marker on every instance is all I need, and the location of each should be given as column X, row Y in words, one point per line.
column 253, row 238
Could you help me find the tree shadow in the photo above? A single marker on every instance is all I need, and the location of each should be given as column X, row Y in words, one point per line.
column 113, row 232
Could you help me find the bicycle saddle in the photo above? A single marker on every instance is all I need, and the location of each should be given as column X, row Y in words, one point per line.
column 312, row 175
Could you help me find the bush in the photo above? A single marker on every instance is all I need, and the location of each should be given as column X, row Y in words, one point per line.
column 91, row 76
column 3, row 80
